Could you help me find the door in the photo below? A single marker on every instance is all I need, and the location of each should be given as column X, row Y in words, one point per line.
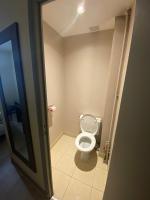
column 28, row 148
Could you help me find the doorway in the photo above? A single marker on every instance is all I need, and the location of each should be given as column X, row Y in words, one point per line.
column 78, row 73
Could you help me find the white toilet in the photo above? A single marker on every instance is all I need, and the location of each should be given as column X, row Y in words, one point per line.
column 85, row 141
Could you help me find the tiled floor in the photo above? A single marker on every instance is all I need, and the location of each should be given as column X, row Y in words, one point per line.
column 74, row 179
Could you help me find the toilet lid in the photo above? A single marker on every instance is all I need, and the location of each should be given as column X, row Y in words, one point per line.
column 89, row 124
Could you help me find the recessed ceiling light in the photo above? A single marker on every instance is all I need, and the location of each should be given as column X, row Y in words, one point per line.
column 81, row 9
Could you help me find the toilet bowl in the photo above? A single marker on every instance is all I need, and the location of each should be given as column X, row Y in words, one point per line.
column 85, row 141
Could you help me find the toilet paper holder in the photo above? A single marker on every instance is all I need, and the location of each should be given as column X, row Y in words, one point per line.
column 52, row 108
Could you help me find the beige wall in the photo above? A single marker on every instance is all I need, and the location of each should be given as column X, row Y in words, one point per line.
column 86, row 76
column 77, row 70
column 54, row 60
column 115, row 63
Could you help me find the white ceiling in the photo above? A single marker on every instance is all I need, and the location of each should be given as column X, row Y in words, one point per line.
column 62, row 15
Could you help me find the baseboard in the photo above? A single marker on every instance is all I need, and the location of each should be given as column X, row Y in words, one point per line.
column 56, row 140
column 69, row 134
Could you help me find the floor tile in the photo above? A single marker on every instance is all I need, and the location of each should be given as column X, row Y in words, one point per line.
column 99, row 161
column 77, row 191
column 70, row 144
column 66, row 164
column 65, row 145
column 73, row 178
column 85, row 177
column 60, row 147
column 96, row 195
column 104, row 166
column 55, row 156
column 100, row 177
column 101, row 164
column 60, row 183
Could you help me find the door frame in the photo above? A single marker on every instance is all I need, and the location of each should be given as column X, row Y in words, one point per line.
column 38, row 67
column 119, row 86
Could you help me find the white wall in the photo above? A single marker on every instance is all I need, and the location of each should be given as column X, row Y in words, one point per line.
column 54, row 69
column 86, row 76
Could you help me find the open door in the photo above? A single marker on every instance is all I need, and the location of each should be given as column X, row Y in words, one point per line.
column 29, row 150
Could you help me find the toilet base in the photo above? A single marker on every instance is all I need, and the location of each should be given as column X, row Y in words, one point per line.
column 84, row 156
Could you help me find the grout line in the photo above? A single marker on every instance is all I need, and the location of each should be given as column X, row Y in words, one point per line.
column 64, row 172
column 81, row 182
column 91, row 194
column 98, row 189
column 66, row 188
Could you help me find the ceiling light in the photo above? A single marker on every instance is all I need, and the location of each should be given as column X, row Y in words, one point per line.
column 81, row 9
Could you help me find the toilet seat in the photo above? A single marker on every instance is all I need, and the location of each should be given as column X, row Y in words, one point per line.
column 89, row 124
column 85, row 142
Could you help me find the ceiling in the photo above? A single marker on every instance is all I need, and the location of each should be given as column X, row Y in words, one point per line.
column 62, row 15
